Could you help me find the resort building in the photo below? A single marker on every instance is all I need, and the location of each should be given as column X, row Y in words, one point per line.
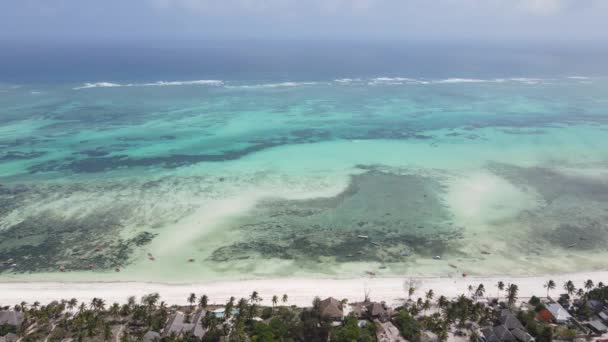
column 332, row 309
column 560, row 315
column 178, row 325
column 12, row 318
column 378, row 311
column 509, row 329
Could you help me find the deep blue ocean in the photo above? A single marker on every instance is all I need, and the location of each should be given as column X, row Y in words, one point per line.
column 294, row 60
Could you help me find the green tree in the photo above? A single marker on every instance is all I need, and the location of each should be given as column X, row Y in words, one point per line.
column 409, row 327
column 549, row 285
column 512, row 291
column 191, row 299
column 410, row 292
column 501, row 286
column 474, row 336
column 275, row 300
column 569, row 287
column 262, row 333
column 255, row 297
column 203, row 301
column 351, row 332
column 229, row 307
column 285, row 299
column 480, row 291
column 589, row 284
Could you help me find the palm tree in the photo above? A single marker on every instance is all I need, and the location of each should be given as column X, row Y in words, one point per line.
column 410, row 292
column 589, row 284
column 442, row 302
column 255, row 297
column 569, row 287
column 285, row 298
column 36, row 305
column 203, row 301
column 500, row 286
column 512, row 291
column 72, row 303
column 275, row 300
column 151, row 299
column 550, row 285
column 426, row 305
column 242, row 306
column 191, row 299
column 429, row 295
column 481, row 290
column 115, row 309
column 580, row 292
column 228, row 308
column 107, row 332
column 600, row 285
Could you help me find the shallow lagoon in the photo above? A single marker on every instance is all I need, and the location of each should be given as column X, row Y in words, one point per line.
column 277, row 179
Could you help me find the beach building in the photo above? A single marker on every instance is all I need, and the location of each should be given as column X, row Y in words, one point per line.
column 378, row 311
column 597, row 327
column 509, row 329
column 151, row 336
column 603, row 316
column 331, row 308
column 178, row 325
column 10, row 337
column 560, row 315
column 508, row 319
column 12, row 318
column 388, row 332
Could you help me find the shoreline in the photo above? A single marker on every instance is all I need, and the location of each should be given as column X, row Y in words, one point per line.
column 301, row 291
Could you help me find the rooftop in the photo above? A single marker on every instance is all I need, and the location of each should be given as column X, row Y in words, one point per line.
column 10, row 317
column 559, row 313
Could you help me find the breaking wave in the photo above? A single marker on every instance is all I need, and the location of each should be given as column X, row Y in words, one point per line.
column 153, row 84
column 272, row 85
column 340, row 81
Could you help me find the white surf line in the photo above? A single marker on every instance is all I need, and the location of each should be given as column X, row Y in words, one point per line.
column 301, row 291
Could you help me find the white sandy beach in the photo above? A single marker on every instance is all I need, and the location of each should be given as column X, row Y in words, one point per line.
column 300, row 291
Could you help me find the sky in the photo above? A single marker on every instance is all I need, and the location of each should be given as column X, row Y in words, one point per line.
column 127, row 20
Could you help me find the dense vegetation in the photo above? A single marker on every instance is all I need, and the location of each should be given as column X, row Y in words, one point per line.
column 248, row 320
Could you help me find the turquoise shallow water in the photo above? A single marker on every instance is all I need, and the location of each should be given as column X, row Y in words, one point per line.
column 266, row 178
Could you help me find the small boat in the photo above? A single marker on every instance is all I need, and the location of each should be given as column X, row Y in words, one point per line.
column 363, row 237
column 437, row 257
column 572, row 245
column 151, row 258
column 370, row 273
column 452, row 266
column 485, row 253
column 376, row 244
column 191, row 260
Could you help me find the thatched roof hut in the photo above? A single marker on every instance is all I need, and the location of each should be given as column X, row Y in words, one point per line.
column 331, row 308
